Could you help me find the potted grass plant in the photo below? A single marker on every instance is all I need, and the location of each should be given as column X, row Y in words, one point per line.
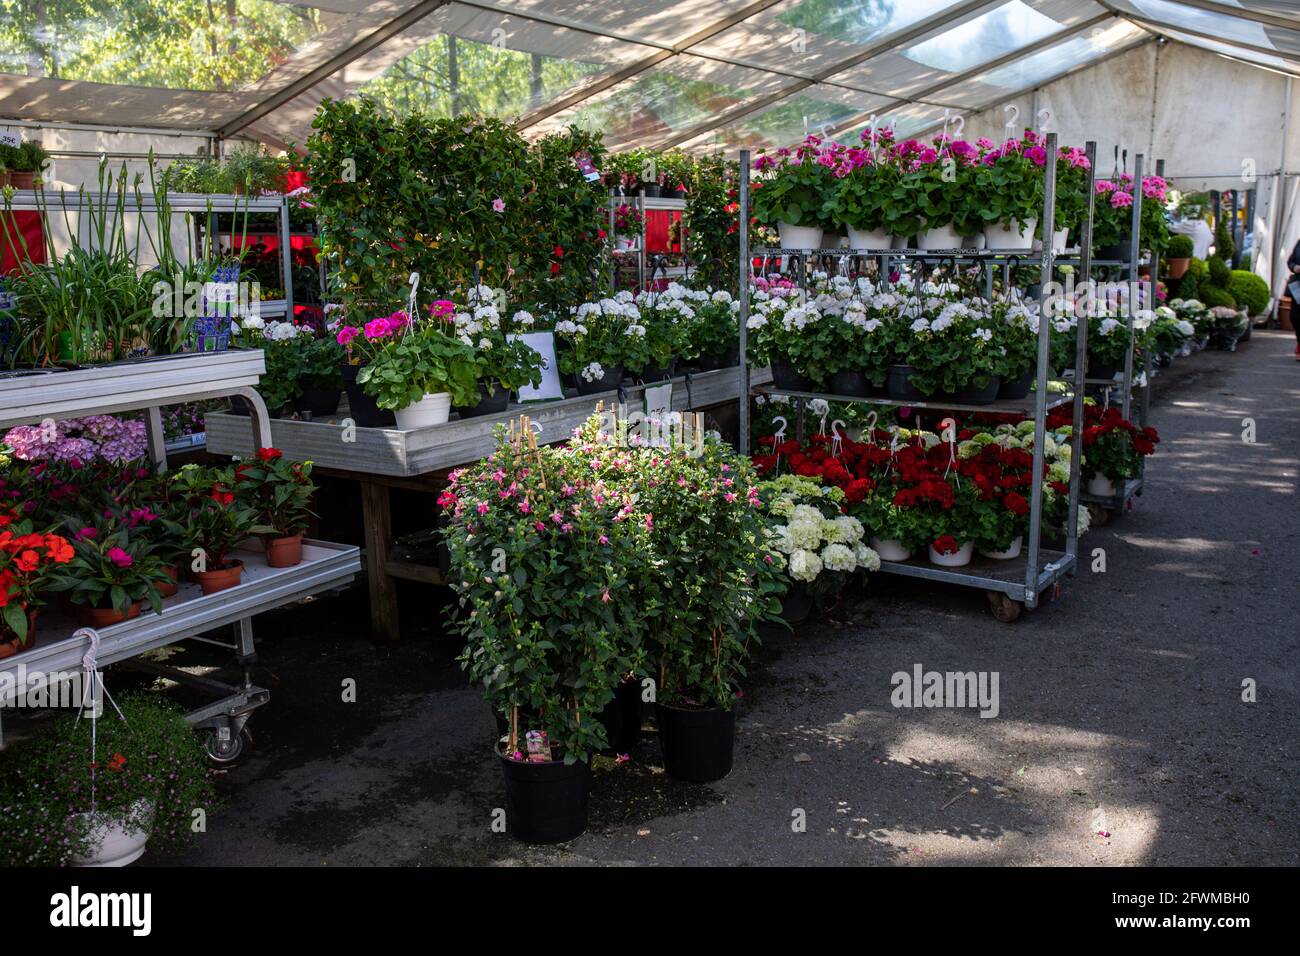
column 73, row 798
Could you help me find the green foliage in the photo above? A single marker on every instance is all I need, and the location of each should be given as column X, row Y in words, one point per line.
column 793, row 192
column 1180, row 247
column 424, row 361
column 250, row 168
column 1219, row 270
column 1216, row 296
column 861, row 199
column 209, row 513
column 278, row 492
column 113, row 568
column 152, row 757
column 1224, row 246
column 710, row 220
column 27, row 157
column 1250, row 291
column 1197, row 273
column 1007, row 190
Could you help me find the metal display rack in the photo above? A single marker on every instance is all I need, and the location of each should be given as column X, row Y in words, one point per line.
column 149, row 383
column 647, row 266
column 196, row 204
column 1021, row 582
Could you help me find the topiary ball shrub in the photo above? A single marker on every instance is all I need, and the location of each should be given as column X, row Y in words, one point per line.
column 1213, row 295
column 1250, row 291
column 1220, row 272
column 1180, row 247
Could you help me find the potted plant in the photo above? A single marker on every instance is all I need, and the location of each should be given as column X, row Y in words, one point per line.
column 781, row 332
column 944, row 347
column 1071, row 195
column 600, row 340
column 792, row 192
column 21, row 163
column 926, row 201
column 545, row 562
column 503, row 362
column 864, row 182
column 1178, row 256
column 319, row 381
column 821, row 547
column 1113, row 449
column 416, row 370
column 712, row 336
column 111, row 574
column 278, row 492
column 28, row 563
column 215, row 522
column 1009, row 184
column 1015, row 346
column 667, row 317
column 628, row 222
column 95, row 799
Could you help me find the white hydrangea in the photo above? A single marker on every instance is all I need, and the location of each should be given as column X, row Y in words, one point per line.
column 866, row 557
column 838, row 557
column 805, row 565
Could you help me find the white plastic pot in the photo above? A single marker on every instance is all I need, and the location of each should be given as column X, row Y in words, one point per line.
column 1100, row 486
column 433, row 409
column 1012, row 552
column 869, row 238
column 898, row 242
column 960, row 559
column 799, row 237
column 943, row 237
column 1007, row 236
column 624, row 245
column 1060, row 240
column 890, row 549
column 110, row 843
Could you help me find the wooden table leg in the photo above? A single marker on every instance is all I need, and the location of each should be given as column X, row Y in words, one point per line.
column 378, row 522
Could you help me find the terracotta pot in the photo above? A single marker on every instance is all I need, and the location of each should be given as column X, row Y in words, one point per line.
column 98, row 617
column 283, row 552
column 168, row 588
column 1178, row 267
column 9, row 643
column 213, row 581
column 18, row 180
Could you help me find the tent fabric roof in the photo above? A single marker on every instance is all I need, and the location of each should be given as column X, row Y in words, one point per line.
column 703, row 74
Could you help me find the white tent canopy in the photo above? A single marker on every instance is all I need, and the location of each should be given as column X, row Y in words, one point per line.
column 705, row 74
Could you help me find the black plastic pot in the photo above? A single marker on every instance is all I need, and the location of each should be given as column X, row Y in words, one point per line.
column 972, row 394
column 1017, row 388
column 785, row 376
column 361, row 407
column 493, row 399
column 654, row 374
column 698, row 743
column 651, row 190
column 898, row 385
column 1117, row 251
column 611, row 380
column 1102, row 370
column 320, row 402
column 796, row 605
column 240, row 407
column 622, row 719
column 546, row 802
column 850, row 383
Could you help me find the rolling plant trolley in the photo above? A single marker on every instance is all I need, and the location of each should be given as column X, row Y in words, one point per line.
column 28, row 398
column 1011, row 586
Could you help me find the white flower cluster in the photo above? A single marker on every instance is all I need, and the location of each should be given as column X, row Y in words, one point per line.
column 813, row 543
column 593, row 372
column 282, row 331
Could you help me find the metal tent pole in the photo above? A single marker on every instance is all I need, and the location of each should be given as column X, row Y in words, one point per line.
column 1080, row 363
column 743, row 294
column 1040, row 393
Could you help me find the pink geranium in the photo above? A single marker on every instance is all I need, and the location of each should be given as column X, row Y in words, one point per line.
column 120, row 558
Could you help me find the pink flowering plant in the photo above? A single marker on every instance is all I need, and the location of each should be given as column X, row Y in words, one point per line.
column 1071, row 188
column 793, row 184
column 548, row 563
column 1007, row 185
column 932, row 189
column 112, row 567
column 700, row 617
column 80, row 440
column 404, row 360
column 1113, row 218
column 864, row 182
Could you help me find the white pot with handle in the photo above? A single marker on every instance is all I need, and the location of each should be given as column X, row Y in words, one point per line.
column 890, row 549
column 869, row 238
column 1009, row 236
column 941, row 237
column 1013, row 550
column 433, row 409
column 799, row 237
column 1099, row 486
column 958, row 559
column 110, row 842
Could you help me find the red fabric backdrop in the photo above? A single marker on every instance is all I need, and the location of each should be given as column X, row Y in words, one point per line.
column 11, row 250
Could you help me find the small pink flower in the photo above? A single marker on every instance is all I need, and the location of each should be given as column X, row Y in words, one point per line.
column 483, row 507
column 120, row 557
column 604, row 596
column 729, row 497
column 603, row 539
column 498, row 205
column 85, row 534
column 649, row 522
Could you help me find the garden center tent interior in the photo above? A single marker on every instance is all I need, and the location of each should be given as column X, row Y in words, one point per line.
column 1160, row 77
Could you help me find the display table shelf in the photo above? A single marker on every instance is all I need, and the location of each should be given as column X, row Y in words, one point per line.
column 403, row 454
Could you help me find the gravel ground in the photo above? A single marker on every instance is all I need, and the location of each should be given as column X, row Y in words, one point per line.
column 1121, row 738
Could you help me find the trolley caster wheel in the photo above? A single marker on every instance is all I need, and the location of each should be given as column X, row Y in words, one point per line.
column 225, row 753
column 1098, row 517
column 1004, row 609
